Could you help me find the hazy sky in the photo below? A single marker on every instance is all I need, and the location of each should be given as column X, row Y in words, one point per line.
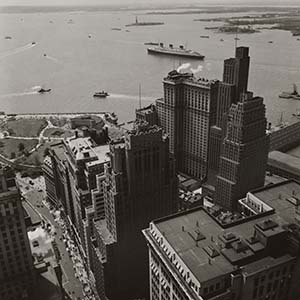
column 146, row 2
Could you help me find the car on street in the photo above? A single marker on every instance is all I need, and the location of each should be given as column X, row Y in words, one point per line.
column 35, row 243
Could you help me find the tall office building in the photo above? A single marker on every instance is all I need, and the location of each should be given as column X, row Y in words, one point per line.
column 199, row 255
column 73, row 174
column 235, row 82
column 186, row 113
column 140, row 185
column 236, row 70
column 16, row 264
column 244, row 151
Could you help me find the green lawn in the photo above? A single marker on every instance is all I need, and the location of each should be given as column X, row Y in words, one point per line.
column 37, row 157
column 9, row 146
column 26, row 127
column 58, row 132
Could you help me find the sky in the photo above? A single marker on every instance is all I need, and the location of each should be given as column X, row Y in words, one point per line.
column 144, row 2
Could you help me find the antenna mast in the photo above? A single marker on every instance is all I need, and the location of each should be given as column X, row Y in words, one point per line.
column 236, row 34
column 140, row 96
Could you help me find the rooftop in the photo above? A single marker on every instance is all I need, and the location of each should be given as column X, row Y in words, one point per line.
column 175, row 76
column 59, row 150
column 282, row 197
column 195, row 235
column 284, row 161
column 265, row 263
column 101, row 153
column 81, row 147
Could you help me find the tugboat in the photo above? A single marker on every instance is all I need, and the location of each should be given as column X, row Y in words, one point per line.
column 42, row 91
column 101, row 94
column 291, row 95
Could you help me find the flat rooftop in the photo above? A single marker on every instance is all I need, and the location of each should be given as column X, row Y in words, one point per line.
column 59, row 150
column 282, row 197
column 84, row 148
column 284, row 161
column 184, row 229
column 101, row 153
column 265, row 263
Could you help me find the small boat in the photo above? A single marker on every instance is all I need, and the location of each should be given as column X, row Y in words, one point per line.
column 151, row 43
column 101, row 94
column 89, row 36
column 116, row 28
column 270, row 42
column 45, row 54
column 236, row 38
column 298, row 39
column 127, row 30
column 291, row 95
column 42, row 91
column 221, row 40
column 33, row 43
column 204, row 36
column 8, row 37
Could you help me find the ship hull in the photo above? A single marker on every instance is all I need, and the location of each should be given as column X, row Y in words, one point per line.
column 179, row 54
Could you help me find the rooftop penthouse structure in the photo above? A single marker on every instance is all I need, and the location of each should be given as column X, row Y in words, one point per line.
column 193, row 255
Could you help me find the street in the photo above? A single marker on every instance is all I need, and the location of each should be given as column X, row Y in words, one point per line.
column 35, row 195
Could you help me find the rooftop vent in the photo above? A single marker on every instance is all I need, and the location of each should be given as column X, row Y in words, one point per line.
column 196, row 235
column 229, row 236
column 267, row 224
column 211, row 251
column 239, row 246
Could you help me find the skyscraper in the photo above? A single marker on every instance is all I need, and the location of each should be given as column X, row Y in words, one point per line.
column 235, row 82
column 244, row 151
column 16, row 264
column 186, row 113
column 140, row 185
column 236, row 70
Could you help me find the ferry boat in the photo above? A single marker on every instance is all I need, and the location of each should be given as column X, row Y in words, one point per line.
column 42, row 91
column 101, row 94
column 291, row 95
column 171, row 50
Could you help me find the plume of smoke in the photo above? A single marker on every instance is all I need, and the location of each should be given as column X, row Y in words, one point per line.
column 197, row 70
column 183, row 67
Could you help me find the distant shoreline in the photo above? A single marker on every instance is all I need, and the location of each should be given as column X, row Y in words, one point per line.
column 152, row 10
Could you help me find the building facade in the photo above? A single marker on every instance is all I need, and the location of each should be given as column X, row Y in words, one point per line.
column 140, row 184
column 186, row 113
column 194, row 255
column 234, row 83
column 17, row 274
column 244, row 151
